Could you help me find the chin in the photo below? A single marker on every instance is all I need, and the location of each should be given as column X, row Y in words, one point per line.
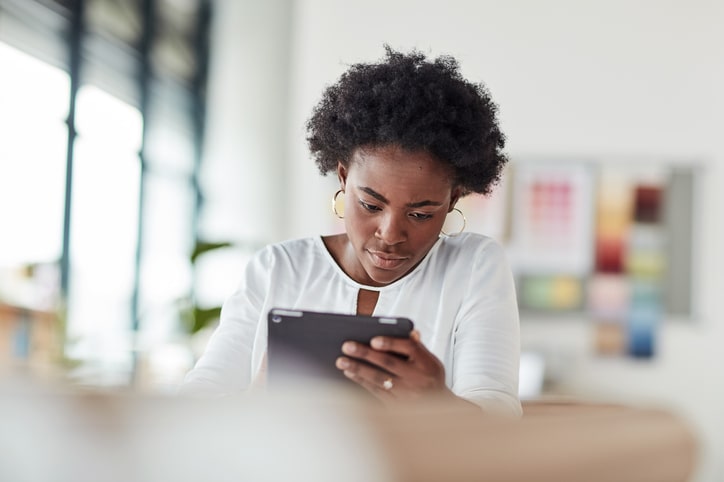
column 384, row 277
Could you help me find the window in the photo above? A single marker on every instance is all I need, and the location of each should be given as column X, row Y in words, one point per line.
column 133, row 193
column 34, row 100
column 104, row 231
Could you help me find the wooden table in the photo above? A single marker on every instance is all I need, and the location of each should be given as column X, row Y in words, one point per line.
column 60, row 434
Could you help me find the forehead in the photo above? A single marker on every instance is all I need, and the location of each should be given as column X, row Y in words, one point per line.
column 399, row 168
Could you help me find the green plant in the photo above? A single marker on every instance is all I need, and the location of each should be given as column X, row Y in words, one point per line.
column 194, row 317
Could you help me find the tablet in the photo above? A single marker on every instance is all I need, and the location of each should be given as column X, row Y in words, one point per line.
column 304, row 345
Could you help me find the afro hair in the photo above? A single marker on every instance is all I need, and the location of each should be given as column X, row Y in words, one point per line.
column 408, row 101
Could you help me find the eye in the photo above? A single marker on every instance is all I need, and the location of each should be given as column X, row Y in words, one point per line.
column 421, row 216
column 369, row 207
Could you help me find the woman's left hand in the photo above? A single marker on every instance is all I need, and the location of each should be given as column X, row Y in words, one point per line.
column 415, row 374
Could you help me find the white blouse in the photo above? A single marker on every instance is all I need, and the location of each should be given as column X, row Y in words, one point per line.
column 461, row 298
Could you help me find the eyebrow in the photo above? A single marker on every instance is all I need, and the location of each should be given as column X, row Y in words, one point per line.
column 383, row 199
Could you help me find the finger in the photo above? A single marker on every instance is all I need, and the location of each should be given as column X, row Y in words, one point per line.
column 421, row 369
column 390, row 362
column 373, row 379
column 382, row 392
column 410, row 347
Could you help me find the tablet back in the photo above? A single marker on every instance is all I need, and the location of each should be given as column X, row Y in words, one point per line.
column 304, row 345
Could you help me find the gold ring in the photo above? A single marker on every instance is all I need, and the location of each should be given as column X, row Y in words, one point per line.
column 387, row 384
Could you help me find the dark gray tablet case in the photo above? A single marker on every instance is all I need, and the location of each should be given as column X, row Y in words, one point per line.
column 306, row 344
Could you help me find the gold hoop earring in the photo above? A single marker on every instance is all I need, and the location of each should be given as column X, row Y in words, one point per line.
column 334, row 204
column 465, row 223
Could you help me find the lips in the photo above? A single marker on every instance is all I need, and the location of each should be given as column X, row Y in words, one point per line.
column 384, row 260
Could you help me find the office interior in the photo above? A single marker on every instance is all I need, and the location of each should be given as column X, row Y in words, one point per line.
column 126, row 224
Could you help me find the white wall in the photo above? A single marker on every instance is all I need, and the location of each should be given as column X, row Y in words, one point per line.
column 245, row 151
column 607, row 80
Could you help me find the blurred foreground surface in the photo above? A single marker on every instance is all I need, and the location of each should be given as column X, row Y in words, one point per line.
column 57, row 434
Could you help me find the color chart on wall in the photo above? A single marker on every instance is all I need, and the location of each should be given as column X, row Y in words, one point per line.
column 610, row 240
column 552, row 218
column 550, row 244
column 626, row 290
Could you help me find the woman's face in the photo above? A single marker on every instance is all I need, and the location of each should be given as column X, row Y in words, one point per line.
column 395, row 205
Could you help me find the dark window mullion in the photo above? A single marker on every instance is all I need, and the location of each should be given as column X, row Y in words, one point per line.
column 201, row 52
column 145, row 75
column 75, row 60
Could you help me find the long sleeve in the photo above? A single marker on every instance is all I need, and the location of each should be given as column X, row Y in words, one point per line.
column 227, row 366
column 487, row 336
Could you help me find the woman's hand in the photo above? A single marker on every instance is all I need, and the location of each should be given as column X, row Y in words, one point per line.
column 415, row 374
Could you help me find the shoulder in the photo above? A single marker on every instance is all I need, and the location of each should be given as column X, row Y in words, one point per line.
column 469, row 244
column 294, row 246
column 471, row 255
column 289, row 252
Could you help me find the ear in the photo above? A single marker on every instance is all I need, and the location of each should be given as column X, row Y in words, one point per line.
column 457, row 193
column 342, row 175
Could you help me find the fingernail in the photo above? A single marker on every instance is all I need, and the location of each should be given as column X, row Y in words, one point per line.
column 377, row 343
column 342, row 363
column 349, row 347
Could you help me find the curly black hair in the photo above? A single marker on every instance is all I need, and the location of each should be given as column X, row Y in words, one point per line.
column 408, row 101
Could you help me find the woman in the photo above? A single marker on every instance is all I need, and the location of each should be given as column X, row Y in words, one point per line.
column 407, row 138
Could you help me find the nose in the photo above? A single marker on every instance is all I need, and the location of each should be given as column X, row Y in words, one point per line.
column 391, row 229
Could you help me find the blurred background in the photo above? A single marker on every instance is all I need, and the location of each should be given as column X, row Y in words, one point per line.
column 149, row 147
